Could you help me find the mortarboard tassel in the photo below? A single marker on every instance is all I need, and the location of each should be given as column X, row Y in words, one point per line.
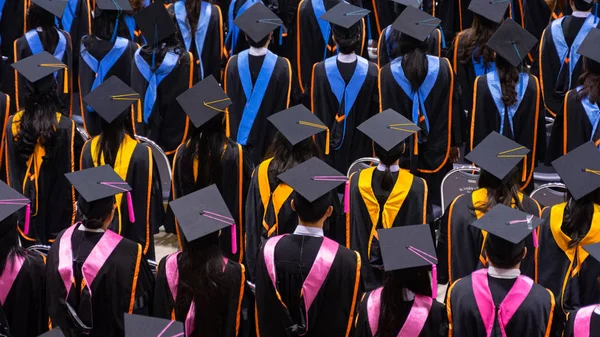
column 227, row 220
column 139, row 111
column 535, row 239
column 129, row 200
column 347, row 197
column 430, row 259
column 66, row 81
column 234, row 239
column 226, row 111
column 323, row 127
column 23, row 201
column 130, row 208
column 327, row 141
column 529, row 222
column 27, row 218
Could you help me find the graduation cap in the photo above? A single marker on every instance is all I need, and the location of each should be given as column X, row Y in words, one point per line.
column 113, row 5
column 344, row 18
column 144, row 326
column 37, row 70
column 590, row 47
column 56, row 7
column 111, row 98
column 204, row 212
column 258, row 21
column 493, row 10
column 56, row 332
column 11, row 201
column 416, row 23
column 593, row 250
column 388, row 128
column 298, row 123
column 409, row 247
column 204, row 101
column 580, row 170
column 410, row 3
column 100, row 182
column 498, row 155
column 512, row 42
column 155, row 22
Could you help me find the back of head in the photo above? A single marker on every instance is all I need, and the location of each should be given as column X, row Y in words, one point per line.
column 9, row 240
column 39, row 17
column 112, row 136
column 311, row 212
column 38, row 121
column 388, row 158
column 499, row 191
column 104, row 24
column 414, row 59
column 259, row 44
column 502, row 253
column 475, row 40
column 94, row 214
column 577, row 218
column 589, row 81
column 347, row 40
column 285, row 156
column 581, row 5
column 509, row 77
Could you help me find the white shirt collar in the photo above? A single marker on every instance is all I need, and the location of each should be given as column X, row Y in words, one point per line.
column 393, row 168
column 597, row 310
column 257, row 51
column 309, row 231
column 503, row 273
column 346, row 58
column 579, row 14
column 85, row 229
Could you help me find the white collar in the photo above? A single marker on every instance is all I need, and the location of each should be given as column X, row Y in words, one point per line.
column 257, row 51
column 309, row 231
column 597, row 310
column 504, row 273
column 393, row 168
column 579, row 14
column 85, row 229
column 346, row 58
column 408, row 295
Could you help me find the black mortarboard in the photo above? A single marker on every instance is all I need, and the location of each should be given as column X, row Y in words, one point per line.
column 406, row 247
column 56, row 332
column 313, row 179
column 155, row 22
column 204, row 101
column 493, row 10
column 590, row 47
column 56, row 7
column 97, row 183
column 498, row 155
column 416, row 23
column 388, row 128
column 258, row 21
column 39, row 66
column 144, row 326
column 298, row 123
column 508, row 223
column 203, row 212
column 345, row 16
column 580, row 170
column 593, row 250
column 512, row 42
column 410, row 3
column 113, row 5
column 10, row 201
column 111, row 98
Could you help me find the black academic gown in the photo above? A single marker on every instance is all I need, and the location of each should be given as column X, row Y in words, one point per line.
column 12, row 26
column 135, row 164
column 436, row 324
column 233, row 186
column 373, row 208
column 554, row 81
column 531, row 318
column 81, row 26
column 23, row 50
column 124, row 284
column 384, row 47
column 99, row 49
column 276, row 99
column 460, row 245
column 346, row 143
column 574, row 283
column 5, row 112
column 52, row 195
column 25, row 303
column 333, row 309
column 168, row 125
column 594, row 326
column 528, row 122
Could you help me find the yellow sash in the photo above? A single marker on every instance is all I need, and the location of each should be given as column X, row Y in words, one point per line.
column 279, row 196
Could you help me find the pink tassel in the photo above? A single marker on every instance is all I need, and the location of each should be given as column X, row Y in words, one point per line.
column 234, row 239
column 190, row 320
column 347, row 197
column 535, row 239
column 433, row 281
column 27, row 218
column 130, row 208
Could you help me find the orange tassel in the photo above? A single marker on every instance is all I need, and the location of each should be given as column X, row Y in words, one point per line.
column 327, row 143
column 139, row 111
column 524, row 174
column 416, row 145
column 66, row 82
column 227, row 130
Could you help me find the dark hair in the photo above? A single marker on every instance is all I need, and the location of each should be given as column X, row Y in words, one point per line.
column 475, row 40
column 9, row 241
column 388, row 158
column 93, row 214
column 285, row 156
column 112, row 136
column 577, row 218
column 192, row 9
column 502, row 253
column 499, row 191
column 39, row 17
column 201, row 279
column 170, row 44
column 259, row 44
column 347, row 40
column 394, row 306
column 582, row 5
column 311, row 211
column 589, row 81
column 509, row 78
column 414, row 59
column 104, row 24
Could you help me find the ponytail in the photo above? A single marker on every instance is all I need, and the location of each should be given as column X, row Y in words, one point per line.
column 388, row 158
column 414, row 60
column 589, row 81
column 577, row 218
column 505, row 192
column 112, row 136
column 38, row 121
column 509, row 78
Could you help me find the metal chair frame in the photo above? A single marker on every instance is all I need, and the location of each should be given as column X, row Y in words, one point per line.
column 42, row 249
column 361, row 161
column 162, row 157
column 464, row 169
column 545, row 187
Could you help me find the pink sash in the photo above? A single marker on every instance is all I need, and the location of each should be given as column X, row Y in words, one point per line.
column 318, row 272
column 508, row 307
column 414, row 322
column 9, row 275
column 581, row 326
column 92, row 264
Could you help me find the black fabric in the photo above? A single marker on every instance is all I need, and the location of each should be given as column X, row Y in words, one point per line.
column 5, row 111
column 384, row 56
column 346, row 69
column 594, row 325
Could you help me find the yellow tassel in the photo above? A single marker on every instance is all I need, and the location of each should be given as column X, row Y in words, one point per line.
column 327, row 143
column 524, row 175
column 227, row 130
column 66, row 82
column 139, row 111
column 416, row 145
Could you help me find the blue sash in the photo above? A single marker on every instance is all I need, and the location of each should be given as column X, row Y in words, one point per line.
column 563, row 50
column 103, row 67
column 36, row 47
column 254, row 95
column 388, row 44
column 496, row 91
column 2, row 3
column 593, row 113
column 479, row 65
column 154, row 78
column 347, row 94
column 202, row 28
column 319, row 10
column 69, row 15
column 130, row 22
column 420, row 96
column 234, row 31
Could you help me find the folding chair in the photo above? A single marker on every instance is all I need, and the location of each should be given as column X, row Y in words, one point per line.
column 361, row 164
column 162, row 164
column 459, row 181
column 40, row 249
column 550, row 194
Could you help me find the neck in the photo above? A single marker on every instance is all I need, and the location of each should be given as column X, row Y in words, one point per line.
column 581, row 14
column 346, row 58
column 257, row 51
column 318, row 224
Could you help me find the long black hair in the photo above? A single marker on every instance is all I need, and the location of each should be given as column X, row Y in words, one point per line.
column 475, row 40
column 388, row 158
column 39, row 17
column 589, row 81
column 170, row 44
column 414, row 58
column 509, row 78
column 93, row 214
column 104, row 25
column 9, row 241
column 499, row 191
column 285, row 156
column 112, row 136
column 395, row 307
column 577, row 218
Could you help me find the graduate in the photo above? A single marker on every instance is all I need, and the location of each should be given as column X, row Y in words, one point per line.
column 564, row 266
column 258, row 83
column 22, row 274
column 144, row 326
column 577, row 120
column 405, row 305
column 44, row 36
column 13, row 15
column 141, row 212
column 200, row 26
column 421, row 87
column 200, row 286
column 235, row 41
column 304, row 277
column 93, row 274
column 559, row 62
column 40, row 147
column 106, row 53
column 499, row 300
column 162, row 71
column 76, row 20
column 268, row 206
column 343, row 91
column 460, row 246
column 507, row 99
column 384, row 196
column 210, row 157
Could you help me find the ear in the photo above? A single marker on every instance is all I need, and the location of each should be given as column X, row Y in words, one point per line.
column 329, row 211
column 293, row 205
column 524, row 253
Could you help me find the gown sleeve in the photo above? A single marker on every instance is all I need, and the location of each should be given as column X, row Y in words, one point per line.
column 253, row 219
column 362, row 328
column 144, row 290
column 162, row 303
